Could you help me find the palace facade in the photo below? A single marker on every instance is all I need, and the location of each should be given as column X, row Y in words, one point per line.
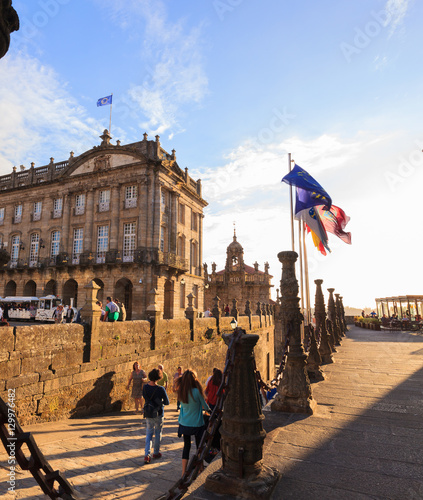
column 125, row 216
column 237, row 281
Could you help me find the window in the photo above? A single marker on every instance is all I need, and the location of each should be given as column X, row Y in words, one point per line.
column 163, row 202
column 104, row 201
column 18, row 213
column 102, row 243
column 14, row 254
column 79, row 204
column 33, row 249
column 182, row 296
column 130, row 196
column 193, row 258
column 36, row 214
column 55, row 243
column 195, row 293
column 78, row 238
column 194, row 221
column 129, row 241
column 181, row 214
column 162, row 239
column 57, row 207
column 1, row 216
column 181, row 246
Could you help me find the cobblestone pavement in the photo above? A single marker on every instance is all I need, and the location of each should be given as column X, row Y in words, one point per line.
column 103, row 457
column 364, row 441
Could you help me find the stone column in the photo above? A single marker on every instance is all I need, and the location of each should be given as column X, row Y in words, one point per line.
column 115, row 211
column 320, row 315
column 191, row 314
column 332, row 317
column 243, row 473
column 234, row 310
column 90, row 314
column 294, row 390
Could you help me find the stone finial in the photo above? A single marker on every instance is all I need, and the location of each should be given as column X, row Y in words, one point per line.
column 247, row 308
column 190, row 298
column 158, row 139
column 51, row 160
column 214, row 267
column 22, row 167
column 277, row 294
column 105, row 138
column 186, row 174
column 242, row 432
column 266, row 267
column 153, row 306
column 118, row 142
column 234, row 310
column 294, row 391
column 145, row 135
column 71, row 154
column 325, row 348
column 332, row 317
column 173, row 154
column 14, row 169
column 32, row 164
column 258, row 310
column 205, row 267
column 216, row 307
column 256, row 266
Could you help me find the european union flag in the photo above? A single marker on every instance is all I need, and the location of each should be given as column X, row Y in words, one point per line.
column 105, row 100
column 311, row 192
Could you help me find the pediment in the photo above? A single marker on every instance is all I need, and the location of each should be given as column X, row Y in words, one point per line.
column 103, row 161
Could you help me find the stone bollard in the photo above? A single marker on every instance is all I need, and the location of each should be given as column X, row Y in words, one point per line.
column 234, row 310
column 314, row 359
column 258, row 312
column 216, row 312
column 325, row 348
column 154, row 315
column 339, row 315
column 247, row 312
column 344, row 321
column 90, row 315
column 243, row 473
column 191, row 314
column 294, row 390
column 332, row 317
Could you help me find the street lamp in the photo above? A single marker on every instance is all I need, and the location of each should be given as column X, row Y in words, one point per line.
column 234, row 324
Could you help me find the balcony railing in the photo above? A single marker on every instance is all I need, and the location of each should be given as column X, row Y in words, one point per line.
column 131, row 203
column 104, row 206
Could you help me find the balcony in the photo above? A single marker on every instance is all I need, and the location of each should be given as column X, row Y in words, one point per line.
column 131, row 203
column 57, row 213
column 172, row 260
column 80, row 210
column 104, row 206
column 128, row 256
column 100, row 258
column 36, row 216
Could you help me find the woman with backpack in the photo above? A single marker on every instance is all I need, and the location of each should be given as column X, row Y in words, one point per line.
column 155, row 397
column 191, row 420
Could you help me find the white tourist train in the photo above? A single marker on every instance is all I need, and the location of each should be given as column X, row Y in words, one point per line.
column 34, row 308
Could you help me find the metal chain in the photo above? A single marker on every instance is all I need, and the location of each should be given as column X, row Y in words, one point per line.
column 13, row 438
column 276, row 380
column 179, row 489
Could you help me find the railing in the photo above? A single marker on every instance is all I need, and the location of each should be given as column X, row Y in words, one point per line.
column 57, row 213
column 36, row 216
column 104, row 206
column 131, row 203
column 80, row 210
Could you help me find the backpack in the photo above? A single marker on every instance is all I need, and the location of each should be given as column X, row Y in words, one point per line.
column 150, row 410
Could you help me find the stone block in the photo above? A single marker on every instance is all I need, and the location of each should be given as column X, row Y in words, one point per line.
column 67, row 370
column 57, row 384
column 85, row 376
column 35, row 364
column 123, row 349
column 74, row 357
column 85, row 367
column 22, row 380
column 7, row 339
column 9, row 369
column 29, row 390
column 58, row 360
column 109, row 351
column 46, row 375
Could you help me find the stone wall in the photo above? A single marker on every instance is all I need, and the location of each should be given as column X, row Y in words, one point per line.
column 56, row 373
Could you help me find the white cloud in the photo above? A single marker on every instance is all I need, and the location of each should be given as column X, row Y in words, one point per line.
column 248, row 190
column 39, row 116
column 176, row 75
column 396, row 9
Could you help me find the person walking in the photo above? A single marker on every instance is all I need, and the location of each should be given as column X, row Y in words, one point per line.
column 164, row 378
column 191, row 420
column 176, row 381
column 137, row 377
column 212, row 387
column 155, row 397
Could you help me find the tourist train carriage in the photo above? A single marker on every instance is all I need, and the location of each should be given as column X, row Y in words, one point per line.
column 46, row 307
column 21, row 308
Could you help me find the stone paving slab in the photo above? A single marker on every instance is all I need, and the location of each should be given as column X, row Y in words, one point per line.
column 365, row 440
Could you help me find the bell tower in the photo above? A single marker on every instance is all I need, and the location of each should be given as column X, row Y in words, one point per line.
column 234, row 256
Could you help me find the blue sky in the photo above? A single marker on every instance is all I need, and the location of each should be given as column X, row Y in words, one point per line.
column 233, row 86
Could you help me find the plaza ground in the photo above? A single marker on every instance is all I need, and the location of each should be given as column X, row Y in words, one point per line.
column 365, row 440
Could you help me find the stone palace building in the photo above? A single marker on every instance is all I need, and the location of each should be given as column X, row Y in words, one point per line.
column 125, row 216
column 237, row 281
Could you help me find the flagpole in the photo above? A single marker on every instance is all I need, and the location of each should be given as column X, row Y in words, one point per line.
column 307, row 287
column 301, row 266
column 291, row 204
column 110, row 121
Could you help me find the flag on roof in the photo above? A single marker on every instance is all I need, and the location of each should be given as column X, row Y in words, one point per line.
column 105, row 100
column 334, row 220
column 315, row 194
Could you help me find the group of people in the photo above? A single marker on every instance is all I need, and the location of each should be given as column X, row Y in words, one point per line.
column 113, row 311
column 192, row 401
column 65, row 314
column 226, row 311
